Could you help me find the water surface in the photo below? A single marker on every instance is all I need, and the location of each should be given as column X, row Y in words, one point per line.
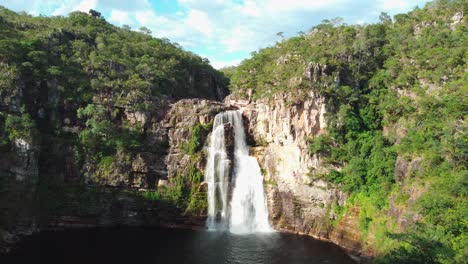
column 172, row 246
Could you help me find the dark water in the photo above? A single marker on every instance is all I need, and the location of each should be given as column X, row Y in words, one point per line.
column 172, row 246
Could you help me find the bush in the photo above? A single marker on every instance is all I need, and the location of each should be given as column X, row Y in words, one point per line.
column 198, row 136
column 20, row 127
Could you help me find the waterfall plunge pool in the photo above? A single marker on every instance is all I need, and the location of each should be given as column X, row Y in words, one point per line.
column 243, row 235
column 172, row 246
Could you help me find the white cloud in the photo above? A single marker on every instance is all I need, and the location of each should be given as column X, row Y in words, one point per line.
column 276, row 6
column 218, row 64
column 199, row 21
column 69, row 6
column 120, row 17
column 85, row 5
column 212, row 5
column 251, row 9
column 161, row 26
column 360, row 22
column 239, row 39
column 395, row 5
column 222, row 28
column 62, row 10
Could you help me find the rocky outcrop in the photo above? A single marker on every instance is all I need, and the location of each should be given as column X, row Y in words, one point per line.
column 18, row 181
column 112, row 194
column 167, row 128
column 314, row 71
column 279, row 130
column 404, row 168
column 457, row 18
column 178, row 125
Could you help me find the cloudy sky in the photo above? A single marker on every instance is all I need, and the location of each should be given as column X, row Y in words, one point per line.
column 224, row 31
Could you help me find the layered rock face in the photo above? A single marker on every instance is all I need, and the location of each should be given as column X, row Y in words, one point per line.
column 178, row 125
column 96, row 198
column 279, row 130
column 167, row 129
column 18, row 182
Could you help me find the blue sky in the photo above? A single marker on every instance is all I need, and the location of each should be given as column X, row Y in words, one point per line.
column 224, row 31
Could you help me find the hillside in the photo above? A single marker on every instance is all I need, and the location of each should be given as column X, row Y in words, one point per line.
column 396, row 137
column 86, row 115
column 359, row 131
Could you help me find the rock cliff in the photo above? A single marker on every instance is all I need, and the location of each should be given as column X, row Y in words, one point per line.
column 279, row 129
column 123, row 193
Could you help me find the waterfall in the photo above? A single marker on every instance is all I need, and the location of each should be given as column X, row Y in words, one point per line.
column 247, row 211
column 217, row 176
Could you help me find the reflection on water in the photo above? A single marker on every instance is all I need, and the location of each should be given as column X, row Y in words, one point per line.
column 145, row 245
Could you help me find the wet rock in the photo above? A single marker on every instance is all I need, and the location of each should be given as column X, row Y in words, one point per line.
column 179, row 122
column 279, row 130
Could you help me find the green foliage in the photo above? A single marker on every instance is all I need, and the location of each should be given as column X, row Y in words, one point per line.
column 198, row 201
column 321, row 145
column 78, row 77
column 106, row 165
column 261, row 142
column 418, row 248
column 102, row 137
column 55, row 199
column 82, row 69
column 199, row 134
column 338, row 211
column 391, row 89
column 184, row 189
column 20, row 126
column 8, row 74
column 151, row 195
column 270, row 181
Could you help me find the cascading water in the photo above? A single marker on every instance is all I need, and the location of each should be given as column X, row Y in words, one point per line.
column 217, row 176
column 247, row 211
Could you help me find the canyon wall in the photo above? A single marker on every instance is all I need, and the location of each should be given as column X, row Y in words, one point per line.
column 279, row 129
column 125, row 193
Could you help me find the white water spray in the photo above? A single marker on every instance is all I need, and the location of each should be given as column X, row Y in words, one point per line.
column 247, row 212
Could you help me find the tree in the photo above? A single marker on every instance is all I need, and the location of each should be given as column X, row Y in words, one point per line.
column 145, row 30
column 385, row 18
column 94, row 13
column 280, row 34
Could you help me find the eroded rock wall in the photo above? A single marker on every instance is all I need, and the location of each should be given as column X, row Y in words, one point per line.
column 279, row 129
column 18, row 181
column 97, row 198
column 178, row 124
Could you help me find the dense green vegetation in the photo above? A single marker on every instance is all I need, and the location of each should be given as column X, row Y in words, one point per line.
column 90, row 71
column 81, row 60
column 69, row 84
column 396, row 94
column 394, row 89
column 198, row 137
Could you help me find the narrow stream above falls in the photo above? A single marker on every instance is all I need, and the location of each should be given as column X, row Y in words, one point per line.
column 172, row 246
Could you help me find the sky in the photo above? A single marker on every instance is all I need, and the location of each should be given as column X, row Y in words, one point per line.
column 224, row 31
